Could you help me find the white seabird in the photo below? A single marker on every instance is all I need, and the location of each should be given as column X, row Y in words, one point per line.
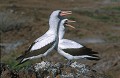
column 71, row 49
column 46, row 43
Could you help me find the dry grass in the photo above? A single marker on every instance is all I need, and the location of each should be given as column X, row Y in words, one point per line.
column 9, row 21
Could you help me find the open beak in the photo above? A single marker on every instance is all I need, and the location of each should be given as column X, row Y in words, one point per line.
column 69, row 21
column 63, row 13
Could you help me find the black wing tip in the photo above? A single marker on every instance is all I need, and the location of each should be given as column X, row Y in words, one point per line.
column 25, row 52
column 94, row 57
column 21, row 62
column 90, row 50
column 19, row 58
column 18, row 64
column 87, row 48
column 93, row 52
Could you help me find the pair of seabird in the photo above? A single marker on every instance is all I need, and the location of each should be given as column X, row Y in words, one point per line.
column 53, row 39
column 47, row 42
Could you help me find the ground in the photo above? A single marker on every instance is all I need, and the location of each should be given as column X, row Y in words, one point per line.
column 97, row 27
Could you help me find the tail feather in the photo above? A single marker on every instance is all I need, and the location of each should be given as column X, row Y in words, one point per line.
column 21, row 62
column 93, row 52
column 89, row 51
column 20, row 57
column 89, row 58
column 93, row 57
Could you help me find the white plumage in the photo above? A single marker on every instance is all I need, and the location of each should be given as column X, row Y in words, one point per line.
column 71, row 49
column 46, row 43
column 43, row 41
column 65, row 43
column 48, row 38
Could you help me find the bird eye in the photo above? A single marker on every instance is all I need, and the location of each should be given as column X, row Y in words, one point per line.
column 60, row 12
column 66, row 22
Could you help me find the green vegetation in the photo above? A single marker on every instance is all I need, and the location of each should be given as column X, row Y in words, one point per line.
column 10, row 60
column 112, row 38
column 117, row 8
column 107, row 14
column 115, row 0
column 101, row 17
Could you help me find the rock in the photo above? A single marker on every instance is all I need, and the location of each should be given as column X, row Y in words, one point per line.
column 47, row 69
column 27, row 74
column 5, row 72
column 58, row 70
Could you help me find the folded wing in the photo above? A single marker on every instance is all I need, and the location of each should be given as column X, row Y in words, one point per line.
column 75, row 49
column 39, row 47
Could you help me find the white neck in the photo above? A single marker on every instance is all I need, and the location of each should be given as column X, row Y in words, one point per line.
column 61, row 32
column 53, row 23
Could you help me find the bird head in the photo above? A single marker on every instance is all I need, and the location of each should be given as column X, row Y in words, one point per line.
column 65, row 22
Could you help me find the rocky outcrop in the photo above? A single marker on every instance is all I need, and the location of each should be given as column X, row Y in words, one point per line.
column 47, row 69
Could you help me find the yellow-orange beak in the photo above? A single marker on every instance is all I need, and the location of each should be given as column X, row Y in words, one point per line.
column 63, row 13
column 69, row 21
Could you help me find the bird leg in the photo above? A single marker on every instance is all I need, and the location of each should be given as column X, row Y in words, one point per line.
column 41, row 58
column 71, row 69
column 68, row 63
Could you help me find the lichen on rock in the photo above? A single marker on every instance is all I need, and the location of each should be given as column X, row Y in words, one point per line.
column 47, row 69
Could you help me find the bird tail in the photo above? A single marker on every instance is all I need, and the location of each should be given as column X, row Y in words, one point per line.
column 21, row 59
column 90, row 55
column 93, row 57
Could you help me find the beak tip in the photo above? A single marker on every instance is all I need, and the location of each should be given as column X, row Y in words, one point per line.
column 63, row 13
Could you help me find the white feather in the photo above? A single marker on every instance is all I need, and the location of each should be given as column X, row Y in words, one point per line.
column 66, row 55
column 43, row 41
column 65, row 43
column 50, row 35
